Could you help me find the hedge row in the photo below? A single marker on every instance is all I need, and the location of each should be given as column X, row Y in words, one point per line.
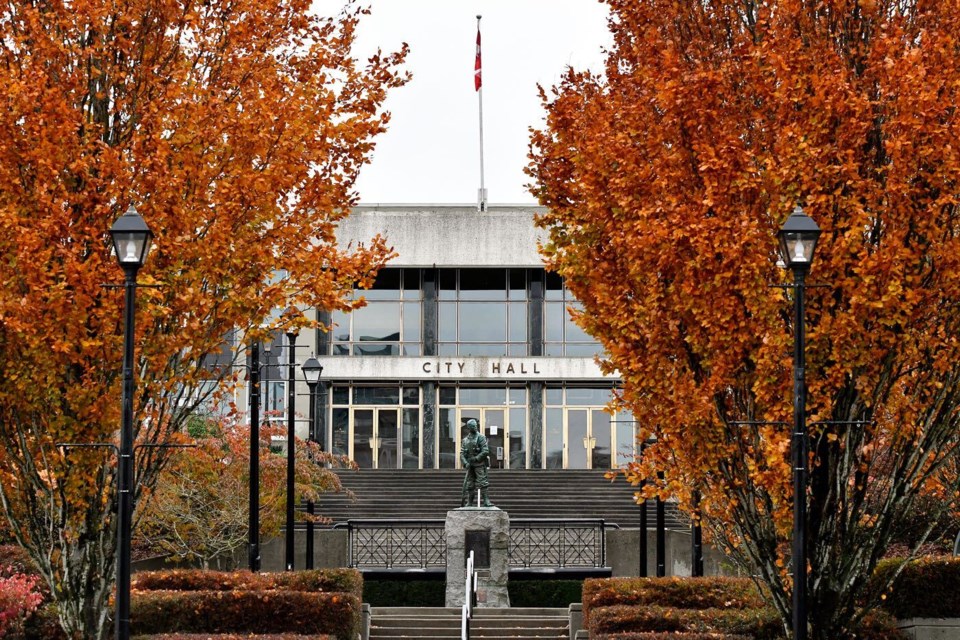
column 156, row 612
column 910, row 596
column 677, row 593
column 656, row 635
column 318, row 580
column 232, row 636
column 760, row 624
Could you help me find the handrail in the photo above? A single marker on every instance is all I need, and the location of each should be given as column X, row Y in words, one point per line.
column 469, row 595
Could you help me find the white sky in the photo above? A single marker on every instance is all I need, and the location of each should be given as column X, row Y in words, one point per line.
column 430, row 154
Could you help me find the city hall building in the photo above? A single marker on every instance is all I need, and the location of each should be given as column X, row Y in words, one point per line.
column 464, row 322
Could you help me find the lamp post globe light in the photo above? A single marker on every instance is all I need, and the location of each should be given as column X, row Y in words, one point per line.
column 131, row 243
column 312, row 370
column 311, row 373
column 798, row 241
column 292, row 334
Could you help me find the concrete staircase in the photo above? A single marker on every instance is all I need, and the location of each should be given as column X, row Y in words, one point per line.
column 439, row 623
column 430, row 493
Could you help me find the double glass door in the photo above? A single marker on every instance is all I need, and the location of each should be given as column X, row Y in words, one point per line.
column 588, row 439
column 385, row 438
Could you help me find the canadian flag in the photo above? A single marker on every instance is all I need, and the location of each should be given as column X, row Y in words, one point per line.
column 476, row 65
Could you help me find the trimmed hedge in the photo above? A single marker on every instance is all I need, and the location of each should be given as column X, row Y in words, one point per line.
column 656, row 635
column 760, row 624
column 232, row 636
column 928, row 587
column 544, row 593
column 243, row 611
column 317, row 580
column 678, row 593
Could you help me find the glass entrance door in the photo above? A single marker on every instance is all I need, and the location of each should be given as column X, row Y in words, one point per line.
column 376, row 442
column 587, row 439
column 493, row 424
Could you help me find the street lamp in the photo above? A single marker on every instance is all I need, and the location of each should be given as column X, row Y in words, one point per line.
column 312, row 370
column 292, row 334
column 311, row 373
column 253, row 536
column 131, row 243
column 798, row 240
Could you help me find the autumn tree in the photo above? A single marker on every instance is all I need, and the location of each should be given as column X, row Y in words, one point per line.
column 666, row 179
column 198, row 510
column 237, row 129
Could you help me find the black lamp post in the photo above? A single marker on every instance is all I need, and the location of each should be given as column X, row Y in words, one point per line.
column 292, row 334
column 312, row 370
column 311, row 373
column 131, row 243
column 798, row 240
column 254, row 523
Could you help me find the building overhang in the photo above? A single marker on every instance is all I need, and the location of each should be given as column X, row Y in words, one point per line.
column 469, row 369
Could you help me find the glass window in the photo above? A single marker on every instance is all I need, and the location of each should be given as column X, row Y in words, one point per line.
column 411, row 284
column 448, row 395
column 482, row 349
column 483, row 396
column 586, row 396
column 518, row 396
column 518, row 284
column 447, row 284
column 447, row 321
column 376, row 395
column 552, row 286
column 518, row 322
column 553, row 443
column 518, row 437
column 410, row 444
column 384, row 326
column 483, row 322
column 385, row 287
column 411, row 395
column 625, row 427
column 554, row 396
column 483, row 284
column 447, row 436
column 341, row 395
column 553, row 313
column 341, row 437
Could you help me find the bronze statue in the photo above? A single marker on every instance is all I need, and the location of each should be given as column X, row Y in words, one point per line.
column 475, row 457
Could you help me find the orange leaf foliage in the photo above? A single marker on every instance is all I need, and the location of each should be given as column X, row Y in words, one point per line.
column 237, row 129
column 667, row 179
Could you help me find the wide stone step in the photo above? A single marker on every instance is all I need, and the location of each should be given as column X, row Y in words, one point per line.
column 488, row 623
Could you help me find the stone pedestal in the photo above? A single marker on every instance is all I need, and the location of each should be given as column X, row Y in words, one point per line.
column 487, row 531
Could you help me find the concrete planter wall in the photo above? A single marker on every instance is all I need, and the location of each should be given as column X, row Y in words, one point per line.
column 931, row 628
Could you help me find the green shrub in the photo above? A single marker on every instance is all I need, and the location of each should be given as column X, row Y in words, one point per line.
column 404, row 593
column 544, row 593
column 319, row 580
column 245, row 611
column 928, row 587
column 232, row 636
column 679, row 593
column 761, row 624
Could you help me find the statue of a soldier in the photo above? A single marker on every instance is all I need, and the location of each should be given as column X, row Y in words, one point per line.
column 475, row 457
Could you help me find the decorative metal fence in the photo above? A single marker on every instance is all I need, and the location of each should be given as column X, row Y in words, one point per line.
column 421, row 544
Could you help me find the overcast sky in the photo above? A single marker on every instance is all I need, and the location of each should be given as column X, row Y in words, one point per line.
column 431, row 152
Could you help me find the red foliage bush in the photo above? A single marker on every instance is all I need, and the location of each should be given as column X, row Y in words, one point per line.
column 679, row 593
column 761, row 624
column 19, row 597
column 320, row 580
column 656, row 635
column 245, row 611
column 232, row 636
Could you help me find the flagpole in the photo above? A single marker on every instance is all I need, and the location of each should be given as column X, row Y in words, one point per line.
column 482, row 199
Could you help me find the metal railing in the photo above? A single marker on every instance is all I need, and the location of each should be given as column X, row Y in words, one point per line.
column 469, row 599
column 421, row 544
